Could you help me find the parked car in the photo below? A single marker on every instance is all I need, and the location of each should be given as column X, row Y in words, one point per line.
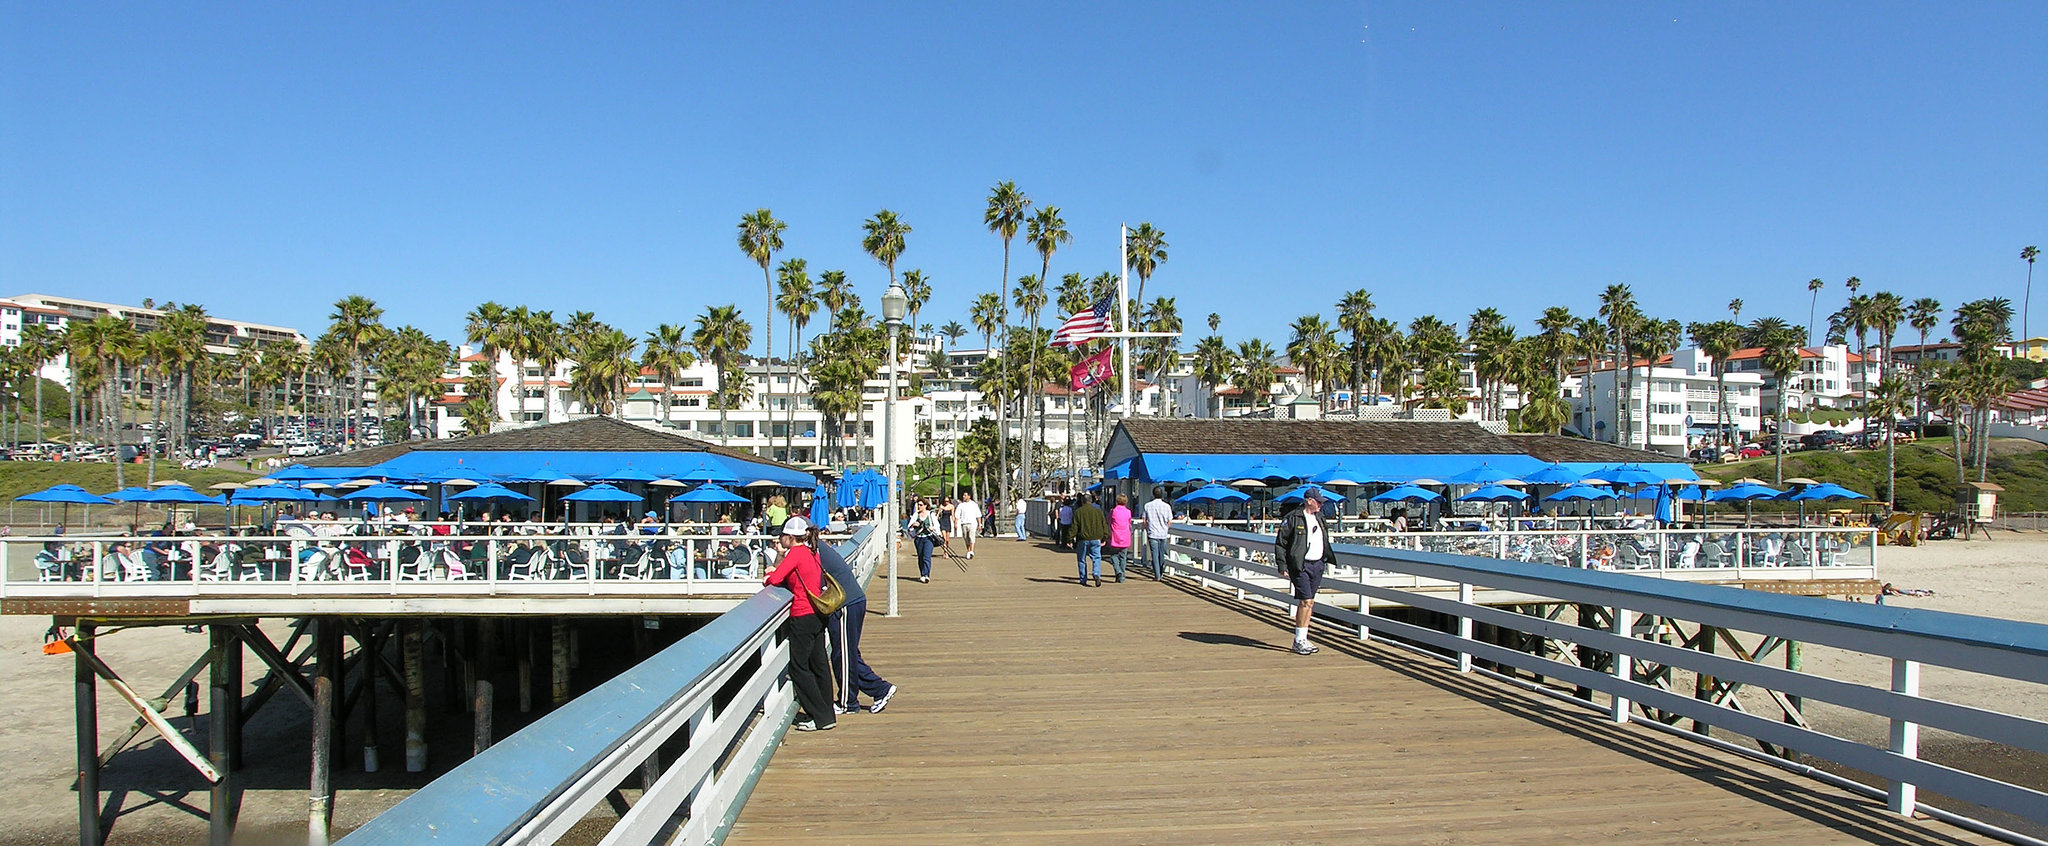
column 1754, row 451
column 302, row 449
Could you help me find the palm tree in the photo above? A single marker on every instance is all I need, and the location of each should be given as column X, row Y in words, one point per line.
column 490, row 329
column 1618, row 308
column 883, row 239
column 1718, row 339
column 953, row 331
column 1214, row 363
column 1949, row 392
column 1046, row 231
column 1257, row 368
column 1981, row 326
column 1555, row 342
column 1496, row 355
column 1813, row 287
column 836, row 294
column 720, row 336
column 1313, row 348
column 1781, row 357
column 1385, row 350
column 667, row 353
column 1146, row 247
column 2028, row 254
column 1923, row 315
column 1006, row 211
column 39, row 345
column 918, row 290
column 799, row 303
column 1354, row 315
column 1887, row 401
column 1589, row 340
column 1735, row 310
column 110, row 341
column 1215, row 321
column 760, row 237
column 604, row 366
column 355, row 325
column 1029, row 298
column 1163, row 353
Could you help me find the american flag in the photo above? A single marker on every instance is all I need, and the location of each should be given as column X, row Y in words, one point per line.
column 1086, row 323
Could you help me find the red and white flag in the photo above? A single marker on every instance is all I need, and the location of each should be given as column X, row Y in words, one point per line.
column 1086, row 323
column 1093, row 370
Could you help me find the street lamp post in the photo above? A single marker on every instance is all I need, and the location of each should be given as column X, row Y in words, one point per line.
column 895, row 303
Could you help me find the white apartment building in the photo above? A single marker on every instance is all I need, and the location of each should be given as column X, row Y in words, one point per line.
column 1672, row 403
column 224, row 336
column 1829, row 377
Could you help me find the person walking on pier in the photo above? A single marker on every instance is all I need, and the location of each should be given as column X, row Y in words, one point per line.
column 810, row 670
column 1302, row 549
column 1119, row 536
column 967, row 520
column 850, row 671
column 1018, row 517
column 1091, row 528
column 1158, row 521
column 924, row 534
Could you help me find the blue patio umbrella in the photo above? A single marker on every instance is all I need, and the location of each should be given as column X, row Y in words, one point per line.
column 708, row 492
column 274, row 493
column 453, row 476
column 602, row 493
column 874, row 490
column 384, row 492
column 1302, row 491
column 133, row 493
column 847, row 494
column 1212, row 493
column 1825, row 490
column 1408, row 493
column 66, row 494
column 1260, row 472
column 490, row 491
column 184, row 495
column 1691, row 492
column 1627, row 474
column 1745, row 493
column 1577, row 493
column 1484, row 474
column 1494, row 493
column 821, row 515
column 1554, row 474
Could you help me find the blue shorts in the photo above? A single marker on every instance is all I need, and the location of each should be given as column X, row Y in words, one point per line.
column 1307, row 580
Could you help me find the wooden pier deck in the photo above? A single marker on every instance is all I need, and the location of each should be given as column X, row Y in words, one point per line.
column 1035, row 710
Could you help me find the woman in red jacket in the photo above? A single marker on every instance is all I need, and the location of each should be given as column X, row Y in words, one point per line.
column 809, row 668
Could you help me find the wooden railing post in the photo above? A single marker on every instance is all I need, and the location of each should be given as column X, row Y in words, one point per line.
column 1905, row 735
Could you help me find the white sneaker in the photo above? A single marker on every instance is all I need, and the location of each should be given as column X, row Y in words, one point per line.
column 877, row 706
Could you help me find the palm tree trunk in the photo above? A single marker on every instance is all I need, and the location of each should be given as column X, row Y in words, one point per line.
column 1778, row 449
column 114, row 420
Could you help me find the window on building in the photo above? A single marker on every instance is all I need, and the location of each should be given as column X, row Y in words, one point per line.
column 742, row 429
column 692, row 382
column 686, row 402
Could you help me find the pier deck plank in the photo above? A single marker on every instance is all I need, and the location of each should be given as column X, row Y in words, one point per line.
column 1035, row 710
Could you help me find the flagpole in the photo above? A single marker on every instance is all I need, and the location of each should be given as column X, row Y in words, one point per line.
column 1123, row 308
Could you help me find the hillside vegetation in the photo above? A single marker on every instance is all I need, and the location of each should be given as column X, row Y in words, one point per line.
column 23, row 477
column 1926, row 473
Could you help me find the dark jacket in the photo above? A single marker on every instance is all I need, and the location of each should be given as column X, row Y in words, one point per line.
column 1090, row 524
column 1290, row 544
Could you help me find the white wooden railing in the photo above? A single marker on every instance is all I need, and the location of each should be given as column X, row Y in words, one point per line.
column 1619, row 660
column 534, row 786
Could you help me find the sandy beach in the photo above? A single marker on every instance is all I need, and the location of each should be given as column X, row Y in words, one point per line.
column 162, row 800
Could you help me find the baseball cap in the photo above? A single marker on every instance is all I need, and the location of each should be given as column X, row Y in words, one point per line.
column 796, row 526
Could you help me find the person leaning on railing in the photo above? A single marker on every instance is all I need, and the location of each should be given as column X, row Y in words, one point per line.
column 810, row 670
column 851, row 674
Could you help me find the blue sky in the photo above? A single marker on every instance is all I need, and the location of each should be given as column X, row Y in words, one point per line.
column 266, row 159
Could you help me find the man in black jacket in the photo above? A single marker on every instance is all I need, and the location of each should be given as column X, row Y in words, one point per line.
column 1302, row 548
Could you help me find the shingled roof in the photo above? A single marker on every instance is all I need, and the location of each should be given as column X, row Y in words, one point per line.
column 1561, row 448
column 1237, row 436
column 590, row 434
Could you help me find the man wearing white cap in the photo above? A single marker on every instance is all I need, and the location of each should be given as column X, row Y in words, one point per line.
column 1302, row 548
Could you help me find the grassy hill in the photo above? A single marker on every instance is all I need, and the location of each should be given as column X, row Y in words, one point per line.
column 1926, row 473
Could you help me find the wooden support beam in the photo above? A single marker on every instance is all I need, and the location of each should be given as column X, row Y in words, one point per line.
column 526, row 644
column 171, row 735
column 108, row 752
column 320, row 786
column 486, row 696
column 413, row 649
column 559, row 660
column 86, row 721
column 224, row 723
